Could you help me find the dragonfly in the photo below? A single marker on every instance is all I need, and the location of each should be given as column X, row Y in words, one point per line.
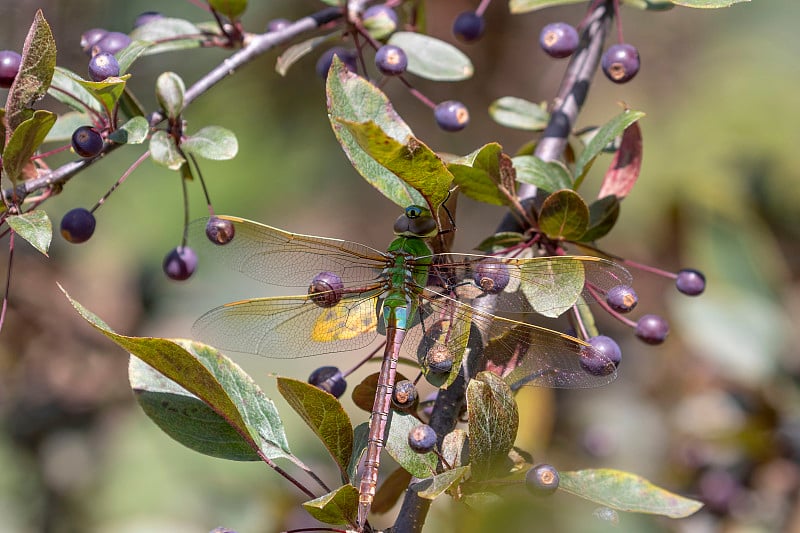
column 421, row 303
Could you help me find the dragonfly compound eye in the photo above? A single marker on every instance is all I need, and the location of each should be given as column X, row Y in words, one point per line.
column 220, row 231
column 491, row 275
column 413, row 211
column 326, row 289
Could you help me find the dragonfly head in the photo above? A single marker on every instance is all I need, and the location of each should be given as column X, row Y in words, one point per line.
column 416, row 221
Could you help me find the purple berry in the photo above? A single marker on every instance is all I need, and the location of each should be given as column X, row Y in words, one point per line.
column 596, row 363
column 78, row 225
column 391, row 60
column 381, row 10
column 278, row 24
column 329, row 379
column 468, row 26
column 608, row 347
column 112, row 42
column 9, row 67
column 451, row 115
column 326, row 289
column 542, row 480
column 404, row 394
column 89, row 38
column 559, row 39
column 87, row 141
column 220, row 231
column 180, row 263
column 620, row 62
column 102, row 66
column 652, row 329
column 622, row 298
column 422, row 438
column 146, row 17
column 690, row 282
column 491, row 275
column 348, row 57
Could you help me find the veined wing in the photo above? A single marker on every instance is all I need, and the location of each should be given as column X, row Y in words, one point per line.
column 525, row 354
column 547, row 285
column 287, row 259
column 290, row 327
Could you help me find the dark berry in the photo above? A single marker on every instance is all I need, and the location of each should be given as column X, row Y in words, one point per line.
column 89, row 38
column 391, row 60
column 596, row 363
column 381, row 10
column 87, row 141
column 559, row 39
column 652, row 329
column 451, row 115
column 326, row 289
column 112, row 42
column 147, row 16
column 329, row 379
column 690, row 282
column 219, row 230
column 491, row 275
column 348, row 57
column 542, row 480
column 422, row 438
column 278, row 24
column 9, row 67
column 622, row 298
column 404, row 394
column 439, row 359
column 608, row 347
column 180, row 263
column 468, row 26
column 620, row 62
column 77, row 226
column 102, row 66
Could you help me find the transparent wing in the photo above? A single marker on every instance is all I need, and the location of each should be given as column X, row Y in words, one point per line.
column 288, row 328
column 289, row 259
column 523, row 353
column 547, row 285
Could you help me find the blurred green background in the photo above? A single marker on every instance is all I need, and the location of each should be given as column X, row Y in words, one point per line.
column 712, row 413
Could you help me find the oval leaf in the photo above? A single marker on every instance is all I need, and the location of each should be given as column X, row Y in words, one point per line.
column 65, row 126
column 431, row 58
column 132, row 132
column 324, row 415
column 106, row 92
column 519, row 113
column 213, row 378
column 603, row 214
column 606, row 134
column 432, row 487
column 296, row 52
column 624, row 491
column 478, row 174
column 212, row 142
column 34, row 227
column 169, row 93
column 164, row 151
column 232, row 9
column 65, row 88
column 625, row 167
column 169, row 33
column 360, row 439
column 337, row 507
column 549, row 176
column 419, row 465
column 555, row 292
column 564, row 215
column 493, row 423
column 24, row 141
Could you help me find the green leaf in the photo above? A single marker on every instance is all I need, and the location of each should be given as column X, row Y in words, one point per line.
column 232, row 9
column 564, row 215
column 519, row 113
column 213, row 378
column 707, row 4
column 131, row 53
column 555, row 291
column 419, row 465
column 493, row 423
column 184, row 417
column 360, row 439
column 431, row 58
column 338, row 507
column 455, row 448
column 35, row 72
column 500, row 241
column 168, row 34
column 482, row 500
column 604, row 135
column 411, row 161
column 548, row 176
column 352, row 98
column 164, row 151
column 432, row 487
column 296, row 52
column 169, row 93
column 324, row 415
column 27, row 137
column 132, row 132
column 653, row 5
column 106, row 92
column 524, row 6
column 379, row 26
column 65, row 88
column 65, row 126
column 212, row 142
column 624, row 491
column 603, row 214
column 478, row 174
column 34, row 227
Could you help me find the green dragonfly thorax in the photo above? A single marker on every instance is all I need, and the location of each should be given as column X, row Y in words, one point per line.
column 406, row 277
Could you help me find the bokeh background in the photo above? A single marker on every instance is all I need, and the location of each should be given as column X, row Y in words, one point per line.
column 713, row 413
